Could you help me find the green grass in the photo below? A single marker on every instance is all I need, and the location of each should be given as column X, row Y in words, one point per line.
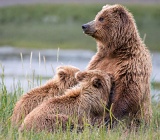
column 8, row 98
column 59, row 26
column 156, row 85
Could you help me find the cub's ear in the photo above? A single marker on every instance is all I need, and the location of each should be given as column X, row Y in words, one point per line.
column 61, row 73
column 97, row 83
column 80, row 75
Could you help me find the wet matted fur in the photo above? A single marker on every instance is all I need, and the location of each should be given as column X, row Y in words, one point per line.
column 122, row 53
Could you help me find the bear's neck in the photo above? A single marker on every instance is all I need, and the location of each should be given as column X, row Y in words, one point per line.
column 119, row 49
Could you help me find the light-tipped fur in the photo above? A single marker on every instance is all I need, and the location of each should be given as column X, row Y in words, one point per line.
column 87, row 100
column 64, row 79
column 122, row 53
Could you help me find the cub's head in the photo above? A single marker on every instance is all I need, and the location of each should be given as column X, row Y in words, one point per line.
column 65, row 76
column 111, row 25
column 95, row 83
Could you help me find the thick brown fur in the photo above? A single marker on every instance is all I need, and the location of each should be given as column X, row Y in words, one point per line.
column 122, row 53
column 86, row 100
column 64, row 79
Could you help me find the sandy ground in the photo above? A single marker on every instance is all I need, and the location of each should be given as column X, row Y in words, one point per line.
column 15, row 2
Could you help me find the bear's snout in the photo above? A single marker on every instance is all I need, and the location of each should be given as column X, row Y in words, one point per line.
column 89, row 28
column 85, row 26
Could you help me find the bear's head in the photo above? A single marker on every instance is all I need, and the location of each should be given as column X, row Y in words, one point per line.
column 113, row 25
column 65, row 76
column 96, row 84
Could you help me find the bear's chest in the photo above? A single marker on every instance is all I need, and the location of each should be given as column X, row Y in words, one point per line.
column 107, row 65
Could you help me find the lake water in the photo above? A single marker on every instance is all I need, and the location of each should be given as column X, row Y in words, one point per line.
column 21, row 64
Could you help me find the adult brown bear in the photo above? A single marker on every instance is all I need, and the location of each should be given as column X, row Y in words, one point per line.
column 122, row 53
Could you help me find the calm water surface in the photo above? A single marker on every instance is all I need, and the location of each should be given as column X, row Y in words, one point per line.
column 21, row 65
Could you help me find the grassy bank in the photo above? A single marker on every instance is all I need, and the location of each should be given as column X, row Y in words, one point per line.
column 59, row 26
column 9, row 97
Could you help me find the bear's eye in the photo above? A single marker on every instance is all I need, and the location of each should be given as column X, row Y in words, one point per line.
column 101, row 19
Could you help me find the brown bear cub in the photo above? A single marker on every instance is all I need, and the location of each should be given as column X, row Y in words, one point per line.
column 86, row 100
column 64, row 79
column 122, row 53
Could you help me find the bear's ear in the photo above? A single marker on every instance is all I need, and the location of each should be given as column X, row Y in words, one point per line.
column 97, row 83
column 80, row 75
column 105, row 6
column 123, row 16
column 61, row 73
column 121, row 11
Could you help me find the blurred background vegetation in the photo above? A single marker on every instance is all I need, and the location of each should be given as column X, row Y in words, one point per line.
column 55, row 26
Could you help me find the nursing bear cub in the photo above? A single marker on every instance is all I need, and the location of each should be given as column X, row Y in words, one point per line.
column 86, row 100
column 122, row 53
column 64, row 79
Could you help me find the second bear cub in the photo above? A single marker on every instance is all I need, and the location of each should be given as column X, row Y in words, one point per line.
column 87, row 100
